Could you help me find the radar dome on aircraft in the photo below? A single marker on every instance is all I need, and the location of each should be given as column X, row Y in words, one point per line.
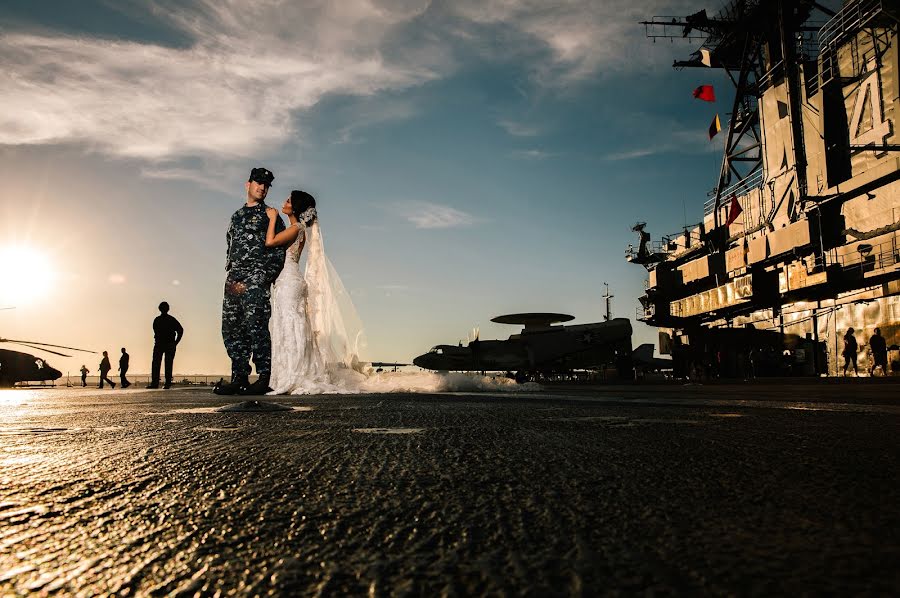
column 533, row 320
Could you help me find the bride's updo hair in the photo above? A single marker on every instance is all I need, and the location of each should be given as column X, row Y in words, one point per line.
column 301, row 201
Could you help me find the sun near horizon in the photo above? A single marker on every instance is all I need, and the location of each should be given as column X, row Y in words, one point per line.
column 27, row 275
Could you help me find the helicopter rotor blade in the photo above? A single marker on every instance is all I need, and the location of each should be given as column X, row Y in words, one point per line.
column 40, row 348
column 9, row 340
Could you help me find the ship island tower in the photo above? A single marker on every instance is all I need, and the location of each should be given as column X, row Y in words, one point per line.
column 799, row 239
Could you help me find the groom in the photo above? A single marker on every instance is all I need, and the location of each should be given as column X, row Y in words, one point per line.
column 251, row 268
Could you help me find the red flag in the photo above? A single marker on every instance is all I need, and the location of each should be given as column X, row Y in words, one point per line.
column 714, row 127
column 734, row 211
column 705, row 93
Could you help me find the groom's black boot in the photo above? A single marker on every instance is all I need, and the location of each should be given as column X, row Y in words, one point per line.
column 235, row 387
column 260, row 387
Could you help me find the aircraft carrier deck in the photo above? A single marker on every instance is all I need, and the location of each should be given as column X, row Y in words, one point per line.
column 754, row 489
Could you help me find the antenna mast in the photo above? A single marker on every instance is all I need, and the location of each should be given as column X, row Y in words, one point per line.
column 608, row 298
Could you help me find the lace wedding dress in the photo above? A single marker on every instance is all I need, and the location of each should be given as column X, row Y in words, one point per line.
column 316, row 335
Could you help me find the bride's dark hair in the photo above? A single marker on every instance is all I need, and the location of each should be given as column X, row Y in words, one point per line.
column 302, row 201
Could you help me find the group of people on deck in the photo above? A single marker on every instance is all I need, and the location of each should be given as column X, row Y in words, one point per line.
column 877, row 345
column 167, row 333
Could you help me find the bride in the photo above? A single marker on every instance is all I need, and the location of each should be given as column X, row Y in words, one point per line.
column 316, row 335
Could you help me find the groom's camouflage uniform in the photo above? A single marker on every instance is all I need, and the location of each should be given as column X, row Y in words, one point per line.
column 245, row 317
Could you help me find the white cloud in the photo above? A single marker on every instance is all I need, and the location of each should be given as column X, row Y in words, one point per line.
column 116, row 278
column 532, row 154
column 656, row 135
column 519, row 129
column 632, row 154
column 250, row 68
column 424, row 214
column 207, row 177
column 373, row 112
column 583, row 38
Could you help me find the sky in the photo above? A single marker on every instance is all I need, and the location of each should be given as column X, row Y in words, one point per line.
column 469, row 158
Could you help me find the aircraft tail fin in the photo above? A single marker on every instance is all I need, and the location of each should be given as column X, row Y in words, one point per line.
column 643, row 353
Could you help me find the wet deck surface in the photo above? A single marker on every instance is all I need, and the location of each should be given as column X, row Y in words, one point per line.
column 706, row 490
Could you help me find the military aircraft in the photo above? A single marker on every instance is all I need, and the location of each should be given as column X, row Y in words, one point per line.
column 387, row 364
column 16, row 366
column 643, row 360
column 540, row 347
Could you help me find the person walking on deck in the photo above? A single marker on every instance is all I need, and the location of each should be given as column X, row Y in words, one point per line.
column 104, row 371
column 850, row 349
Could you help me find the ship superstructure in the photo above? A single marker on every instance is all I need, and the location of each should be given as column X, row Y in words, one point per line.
column 800, row 238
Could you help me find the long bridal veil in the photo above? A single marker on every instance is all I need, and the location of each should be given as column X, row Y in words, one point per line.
column 334, row 323
column 337, row 358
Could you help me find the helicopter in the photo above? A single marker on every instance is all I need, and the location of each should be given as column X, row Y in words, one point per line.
column 16, row 366
column 540, row 347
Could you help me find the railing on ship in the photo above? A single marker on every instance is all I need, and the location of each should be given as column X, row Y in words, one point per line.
column 643, row 314
column 852, row 17
column 742, row 187
column 869, row 258
column 633, row 254
column 669, row 244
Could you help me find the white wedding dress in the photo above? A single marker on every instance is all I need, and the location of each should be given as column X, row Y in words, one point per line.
column 317, row 339
column 316, row 335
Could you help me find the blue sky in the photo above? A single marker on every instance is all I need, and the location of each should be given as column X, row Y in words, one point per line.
column 470, row 158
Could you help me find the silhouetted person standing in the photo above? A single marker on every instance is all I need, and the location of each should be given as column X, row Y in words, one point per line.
column 850, row 349
column 879, row 352
column 84, row 373
column 104, row 371
column 123, row 368
column 167, row 333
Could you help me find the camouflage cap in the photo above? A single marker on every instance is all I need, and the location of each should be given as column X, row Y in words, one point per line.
column 261, row 175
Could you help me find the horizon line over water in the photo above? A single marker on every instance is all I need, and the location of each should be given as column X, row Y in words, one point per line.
column 75, row 378
column 139, row 378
